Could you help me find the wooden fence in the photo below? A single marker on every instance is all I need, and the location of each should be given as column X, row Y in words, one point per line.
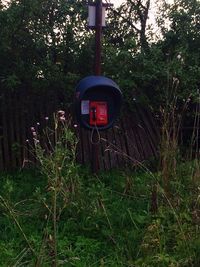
column 133, row 139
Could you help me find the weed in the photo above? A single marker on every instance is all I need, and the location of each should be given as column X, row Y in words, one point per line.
column 62, row 215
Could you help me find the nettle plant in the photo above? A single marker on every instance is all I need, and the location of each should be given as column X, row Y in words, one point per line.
column 55, row 151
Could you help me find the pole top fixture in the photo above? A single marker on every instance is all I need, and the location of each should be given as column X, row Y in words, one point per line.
column 103, row 4
column 92, row 13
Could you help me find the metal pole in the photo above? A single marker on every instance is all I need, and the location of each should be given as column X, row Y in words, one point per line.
column 97, row 71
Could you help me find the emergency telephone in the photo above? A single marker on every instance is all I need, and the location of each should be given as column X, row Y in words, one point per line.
column 97, row 102
column 98, row 113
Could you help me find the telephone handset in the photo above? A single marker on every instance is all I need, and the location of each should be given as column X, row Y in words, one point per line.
column 98, row 113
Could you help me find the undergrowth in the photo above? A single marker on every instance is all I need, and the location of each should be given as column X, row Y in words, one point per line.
column 106, row 223
column 59, row 214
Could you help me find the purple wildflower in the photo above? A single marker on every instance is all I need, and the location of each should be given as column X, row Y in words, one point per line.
column 61, row 113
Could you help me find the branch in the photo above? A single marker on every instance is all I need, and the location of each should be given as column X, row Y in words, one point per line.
column 126, row 20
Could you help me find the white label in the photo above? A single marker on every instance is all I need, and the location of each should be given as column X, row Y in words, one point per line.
column 85, row 107
column 92, row 16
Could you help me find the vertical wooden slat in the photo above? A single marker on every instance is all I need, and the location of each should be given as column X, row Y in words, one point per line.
column 16, row 114
column 137, row 133
column 133, row 136
column 125, row 138
column 107, row 151
column 116, row 145
column 130, row 128
column 150, row 129
column 86, row 150
column 11, row 122
column 28, row 121
column 89, row 146
column 24, row 128
column 100, row 156
column 1, row 133
column 113, row 157
column 79, row 149
column 141, row 140
column 1, row 155
column 120, row 141
column 104, row 150
column 6, row 154
column 147, row 139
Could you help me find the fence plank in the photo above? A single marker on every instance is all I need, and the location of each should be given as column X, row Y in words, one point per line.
column 17, row 131
column 104, row 150
column 134, row 153
column 150, row 128
column 121, row 144
column 11, row 130
column 132, row 139
column 6, row 145
column 1, row 133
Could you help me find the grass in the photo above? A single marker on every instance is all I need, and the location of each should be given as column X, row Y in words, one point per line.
column 107, row 222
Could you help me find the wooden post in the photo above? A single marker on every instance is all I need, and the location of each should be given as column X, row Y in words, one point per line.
column 98, row 37
column 97, row 71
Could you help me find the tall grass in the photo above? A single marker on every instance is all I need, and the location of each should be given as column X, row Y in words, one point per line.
column 62, row 215
column 57, row 162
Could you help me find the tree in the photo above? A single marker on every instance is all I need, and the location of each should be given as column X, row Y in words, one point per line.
column 174, row 56
column 131, row 18
column 43, row 41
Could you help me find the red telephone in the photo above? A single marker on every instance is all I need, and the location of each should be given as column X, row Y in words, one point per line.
column 98, row 113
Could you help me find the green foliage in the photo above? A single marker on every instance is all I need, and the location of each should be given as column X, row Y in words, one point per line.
column 41, row 39
column 108, row 223
column 49, row 47
column 146, row 75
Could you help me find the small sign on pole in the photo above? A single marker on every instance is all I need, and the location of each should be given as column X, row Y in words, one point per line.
column 92, row 12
